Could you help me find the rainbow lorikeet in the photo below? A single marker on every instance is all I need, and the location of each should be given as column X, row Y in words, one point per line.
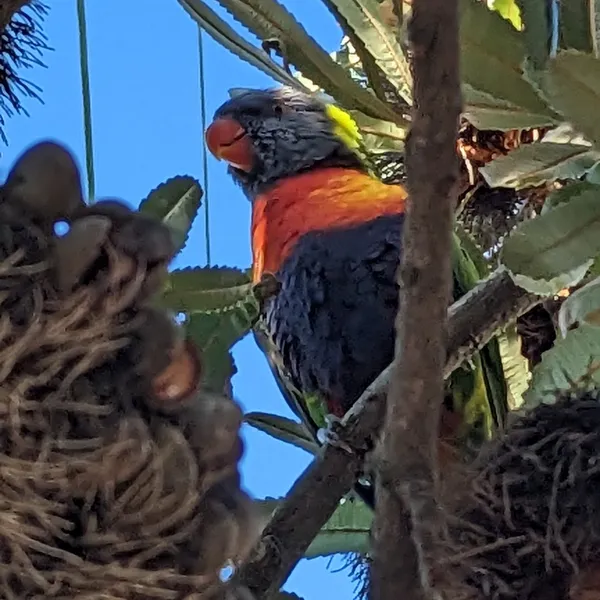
column 331, row 233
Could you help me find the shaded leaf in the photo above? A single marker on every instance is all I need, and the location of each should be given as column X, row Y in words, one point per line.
column 534, row 164
column 223, row 33
column 556, row 242
column 492, row 54
column 572, row 84
column 204, row 289
column 582, row 306
column 364, row 18
column 346, row 531
column 569, row 361
column 175, row 202
column 270, row 20
column 283, row 429
column 536, row 32
column 593, row 175
column 568, row 192
column 577, row 24
column 215, row 333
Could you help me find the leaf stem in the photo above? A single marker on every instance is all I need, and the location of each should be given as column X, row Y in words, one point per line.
column 204, row 153
column 87, row 101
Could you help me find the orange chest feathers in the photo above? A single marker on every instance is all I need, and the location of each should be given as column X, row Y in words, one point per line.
column 315, row 201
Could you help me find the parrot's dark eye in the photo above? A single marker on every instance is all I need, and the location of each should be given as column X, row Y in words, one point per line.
column 278, row 110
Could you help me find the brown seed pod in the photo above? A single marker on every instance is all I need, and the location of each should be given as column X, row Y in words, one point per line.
column 45, row 182
column 181, row 378
column 79, row 249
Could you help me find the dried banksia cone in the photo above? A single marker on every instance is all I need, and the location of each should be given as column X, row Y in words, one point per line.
column 528, row 525
column 121, row 474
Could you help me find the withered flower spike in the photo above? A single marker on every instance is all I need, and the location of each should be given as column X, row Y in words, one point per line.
column 181, row 379
column 77, row 251
column 46, row 181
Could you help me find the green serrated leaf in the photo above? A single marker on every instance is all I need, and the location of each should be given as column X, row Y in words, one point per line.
column 492, row 55
column 283, row 429
column 515, row 366
column 222, row 33
column 488, row 112
column 535, row 164
column 572, row 85
column 215, row 333
column 553, row 244
column 270, row 20
column 175, row 202
column 363, row 17
column 567, row 362
column 205, row 289
column 577, row 25
column 346, row 531
column 582, row 306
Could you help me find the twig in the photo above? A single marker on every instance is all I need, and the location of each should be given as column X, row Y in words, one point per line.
column 406, row 510
column 472, row 321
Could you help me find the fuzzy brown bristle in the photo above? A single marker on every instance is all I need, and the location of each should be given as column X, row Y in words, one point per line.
column 530, row 520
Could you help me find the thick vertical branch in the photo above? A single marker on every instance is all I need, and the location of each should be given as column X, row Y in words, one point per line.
column 408, row 448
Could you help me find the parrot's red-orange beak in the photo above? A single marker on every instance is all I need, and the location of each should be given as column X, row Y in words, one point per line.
column 227, row 140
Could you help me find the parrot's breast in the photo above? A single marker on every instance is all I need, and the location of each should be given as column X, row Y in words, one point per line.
column 320, row 200
column 333, row 240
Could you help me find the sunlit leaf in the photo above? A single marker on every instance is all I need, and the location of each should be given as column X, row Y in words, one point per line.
column 175, row 202
column 203, row 289
column 378, row 135
column 515, row 366
column 509, row 10
column 556, row 242
column 270, row 20
column 364, row 18
column 534, row 164
column 283, row 429
column 572, row 84
column 488, row 112
column 223, row 33
column 569, row 361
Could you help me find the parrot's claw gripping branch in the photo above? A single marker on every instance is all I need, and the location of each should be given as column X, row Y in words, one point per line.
column 333, row 434
column 472, row 322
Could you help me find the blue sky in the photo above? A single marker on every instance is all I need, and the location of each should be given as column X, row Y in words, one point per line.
column 147, row 128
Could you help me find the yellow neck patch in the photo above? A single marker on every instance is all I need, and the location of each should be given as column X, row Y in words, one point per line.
column 344, row 126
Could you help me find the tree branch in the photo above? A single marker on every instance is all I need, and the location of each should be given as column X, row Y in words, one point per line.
column 406, row 511
column 472, row 322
